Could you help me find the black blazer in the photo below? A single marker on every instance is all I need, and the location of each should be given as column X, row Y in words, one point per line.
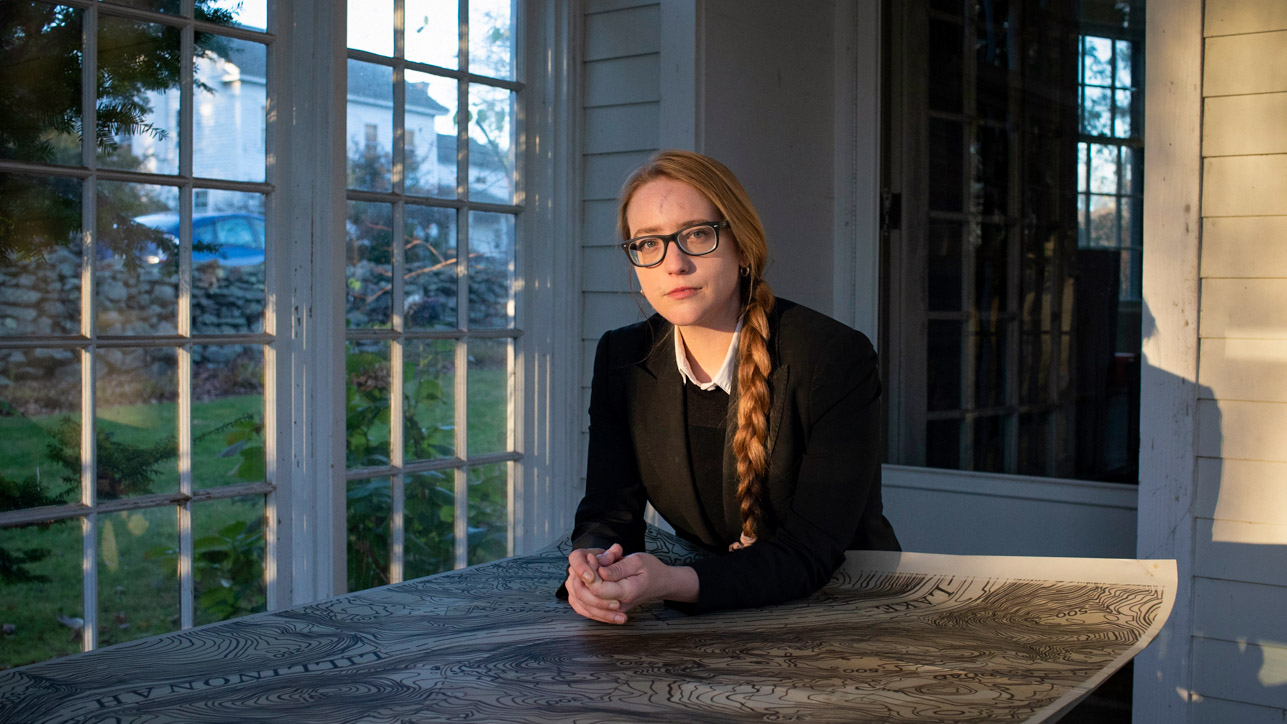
column 824, row 458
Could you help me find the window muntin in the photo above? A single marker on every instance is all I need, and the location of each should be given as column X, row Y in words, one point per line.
column 430, row 350
column 135, row 452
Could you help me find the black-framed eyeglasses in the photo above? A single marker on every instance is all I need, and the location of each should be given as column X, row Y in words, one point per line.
column 696, row 240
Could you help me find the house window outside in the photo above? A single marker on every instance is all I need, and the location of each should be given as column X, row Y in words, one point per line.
column 135, row 489
column 430, row 257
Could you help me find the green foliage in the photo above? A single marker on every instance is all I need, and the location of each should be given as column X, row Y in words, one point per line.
column 246, row 440
column 123, row 469
column 13, row 565
column 227, row 569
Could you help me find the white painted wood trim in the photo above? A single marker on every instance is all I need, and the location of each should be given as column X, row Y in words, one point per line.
column 1020, row 487
column 1168, row 380
column 856, row 281
column 682, row 74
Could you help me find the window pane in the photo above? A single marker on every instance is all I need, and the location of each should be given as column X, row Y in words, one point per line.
column 488, row 395
column 991, row 366
column 137, row 259
column 992, row 271
column 1083, row 165
column 491, row 270
column 40, row 256
column 367, row 403
column 371, row 26
column 1033, row 447
column 945, row 267
column 1098, row 61
column 369, row 265
column 1122, row 114
column 429, row 289
column 43, row 597
column 138, row 586
column 992, row 170
column 40, row 72
column 491, row 38
column 429, row 515
column 138, row 62
column 433, row 32
column 230, row 101
column 1096, row 111
column 136, row 421
column 943, row 365
column 227, row 414
column 943, row 444
column 989, row 444
column 1133, row 171
column 40, row 427
column 945, row 165
column 369, row 520
column 1123, row 48
column 945, row 58
column 431, row 135
column 429, row 430
column 488, row 512
column 1103, row 221
column 370, row 126
column 160, row 6
column 228, row 558
column 252, row 14
column 228, row 266
column 491, row 146
column 1103, row 169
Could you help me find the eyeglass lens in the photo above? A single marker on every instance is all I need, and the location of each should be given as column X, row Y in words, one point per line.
column 693, row 241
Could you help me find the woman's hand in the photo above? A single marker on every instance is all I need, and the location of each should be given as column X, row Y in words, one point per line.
column 584, row 565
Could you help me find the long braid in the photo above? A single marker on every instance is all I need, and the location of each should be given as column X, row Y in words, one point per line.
column 750, row 442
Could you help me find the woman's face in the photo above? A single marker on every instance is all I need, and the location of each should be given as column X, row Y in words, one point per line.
column 686, row 290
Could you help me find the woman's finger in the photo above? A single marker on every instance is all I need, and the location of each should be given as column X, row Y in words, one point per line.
column 587, row 604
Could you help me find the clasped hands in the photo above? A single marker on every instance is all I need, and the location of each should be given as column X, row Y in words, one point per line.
column 604, row 584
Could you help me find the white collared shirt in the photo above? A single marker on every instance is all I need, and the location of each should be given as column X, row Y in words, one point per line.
column 722, row 379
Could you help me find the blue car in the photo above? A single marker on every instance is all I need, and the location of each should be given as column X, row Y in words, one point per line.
column 230, row 238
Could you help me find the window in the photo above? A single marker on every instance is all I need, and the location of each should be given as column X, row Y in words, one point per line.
column 430, row 258
column 134, row 477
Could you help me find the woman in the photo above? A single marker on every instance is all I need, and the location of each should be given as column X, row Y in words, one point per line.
column 751, row 424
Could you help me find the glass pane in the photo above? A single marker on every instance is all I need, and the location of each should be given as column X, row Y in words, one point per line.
column 370, row 515
column 252, row 14
column 433, row 32
column 488, row 512
column 431, row 135
column 1083, row 165
column 228, row 250
column 136, row 422
column 137, row 259
column 943, row 365
column 1122, row 114
column 1103, row 169
column 138, row 585
column 160, row 6
column 1132, row 171
column 40, row 255
column 40, row 427
column 1096, row 111
column 491, row 38
column 1083, row 220
column 1123, row 48
column 139, row 70
column 992, row 180
column 943, row 444
column 1132, row 277
column 945, row 74
column 488, row 395
column 1103, row 221
column 1032, row 443
column 367, row 403
column 491, row 270
column 228, row 558
column 227, row 414
column 429, row 514
column 371, row 26
column 945, row 165
column 429, row 429
column 945, row 266
column 370, row 126
column 230, row 124
column 42, row 610
column 40, row 85
column 989, row 444
column 990, row 365
column 1035, row 359
column 369, row 265
column 429, row 286
column 491, row 144
column 1098, row 61
column 991, row 271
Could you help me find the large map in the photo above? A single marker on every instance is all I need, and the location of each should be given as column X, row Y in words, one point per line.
column 892, row 638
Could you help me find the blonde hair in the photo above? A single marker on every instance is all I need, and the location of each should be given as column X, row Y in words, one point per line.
column 718, row 184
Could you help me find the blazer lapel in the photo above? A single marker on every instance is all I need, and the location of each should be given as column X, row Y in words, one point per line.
column 659, row 406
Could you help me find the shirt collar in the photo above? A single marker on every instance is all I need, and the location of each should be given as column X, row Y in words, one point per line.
column 722, row 379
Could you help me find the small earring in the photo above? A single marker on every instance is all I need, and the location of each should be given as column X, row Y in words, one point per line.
column 744, row 271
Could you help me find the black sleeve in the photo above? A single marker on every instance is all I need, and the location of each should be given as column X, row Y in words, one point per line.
column 838, row 469
column 613, row 506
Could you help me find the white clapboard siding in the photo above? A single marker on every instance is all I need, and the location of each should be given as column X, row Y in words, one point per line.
column 1244, row 246
column 1231, row 17
column 1235, row 551
column 1232, row 610
column 604, row 311
column 1243, row 369
column 1251, row 491
column 635, row 79
column 1245, row 125
column 613, row 129
column 599, row 222
column 1242, row 430
column 1250, row 63
column 605, row 172
column 593, row 7
column 1241, row 671
column 1245, row 185
column 605, row 269
column 622, row 32
column 1244, row 308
